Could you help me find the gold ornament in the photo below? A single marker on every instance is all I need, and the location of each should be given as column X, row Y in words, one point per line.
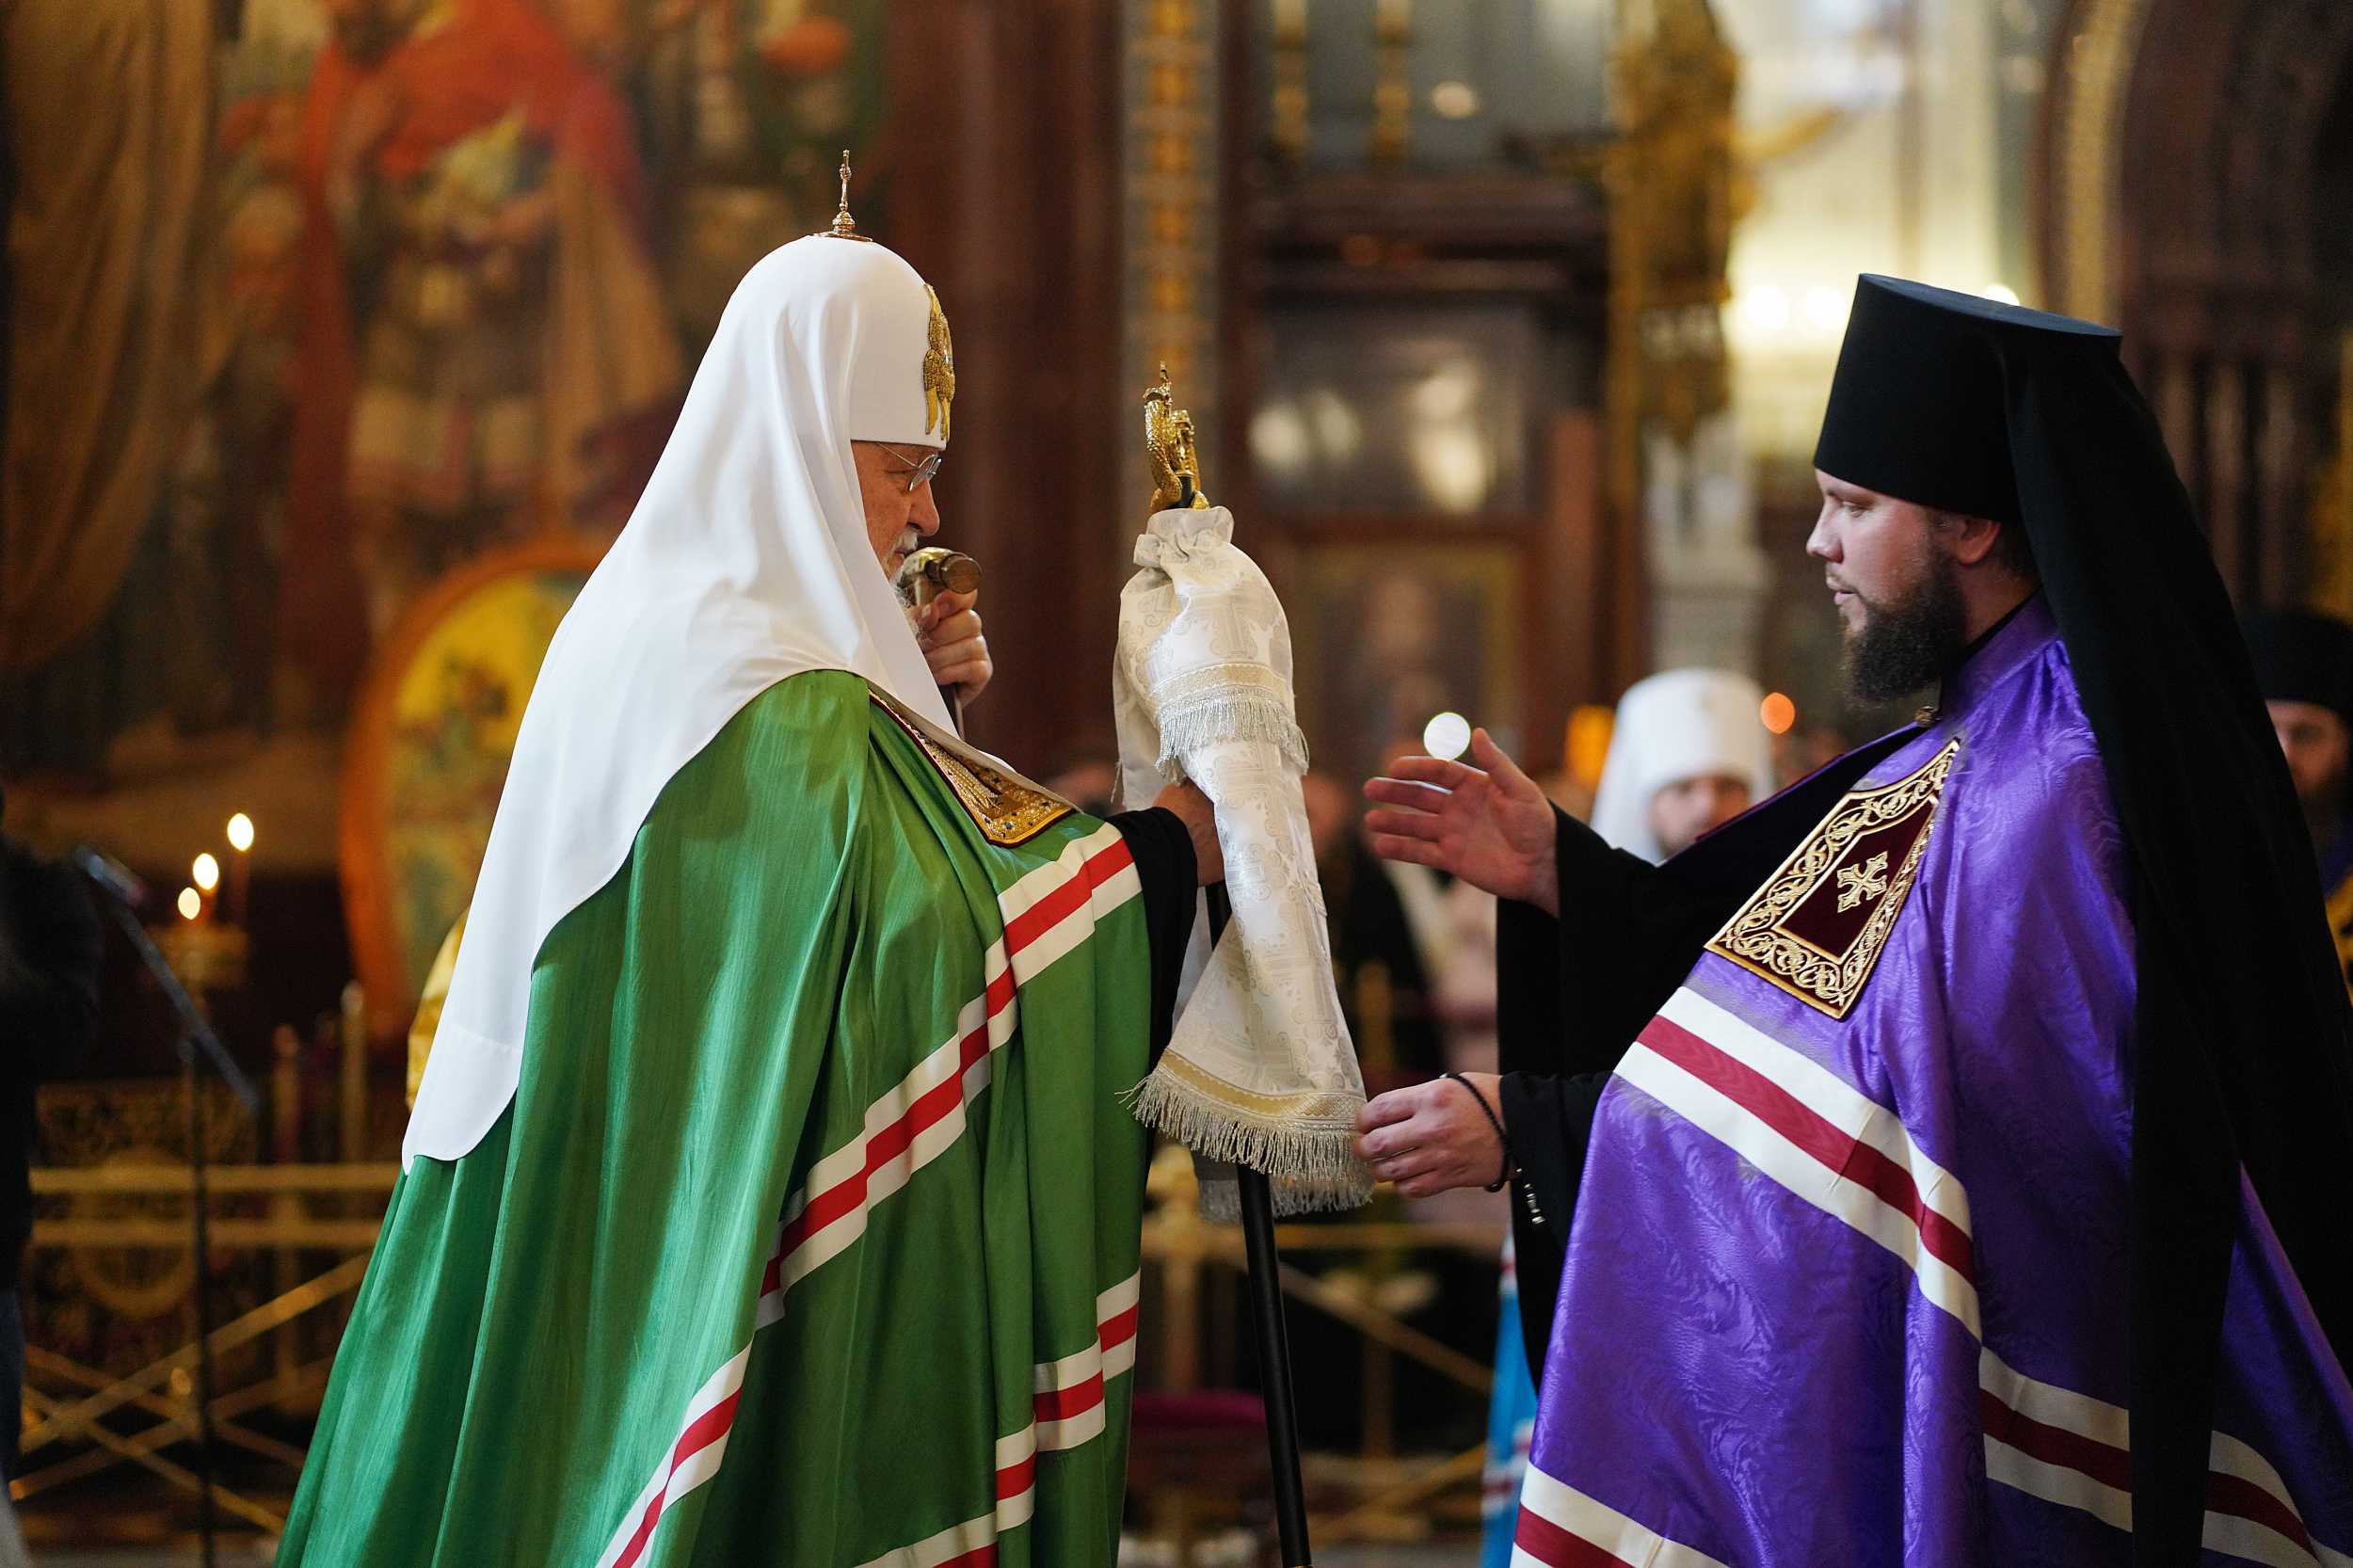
column 940, row 372
column 1168, row 449
column 1007, row 811
column 139, row 1123
column 844, row 226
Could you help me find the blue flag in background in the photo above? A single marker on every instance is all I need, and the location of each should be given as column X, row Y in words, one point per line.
column 1510, row 1419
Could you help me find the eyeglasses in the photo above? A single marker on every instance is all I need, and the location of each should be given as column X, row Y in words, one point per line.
column 918, row 473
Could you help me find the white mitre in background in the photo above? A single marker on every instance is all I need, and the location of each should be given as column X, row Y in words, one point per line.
column 1673, row 725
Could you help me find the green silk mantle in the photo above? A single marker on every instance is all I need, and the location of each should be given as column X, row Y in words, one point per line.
column 811, row 1235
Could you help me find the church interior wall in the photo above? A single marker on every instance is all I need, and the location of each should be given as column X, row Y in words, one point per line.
column 1926, row 138
column 1376, row 242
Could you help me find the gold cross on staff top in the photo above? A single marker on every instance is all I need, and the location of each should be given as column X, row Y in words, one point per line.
column 1866, row 881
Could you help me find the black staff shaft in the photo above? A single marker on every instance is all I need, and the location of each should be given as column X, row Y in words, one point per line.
column 1269, row 1328
column 1274, row 1365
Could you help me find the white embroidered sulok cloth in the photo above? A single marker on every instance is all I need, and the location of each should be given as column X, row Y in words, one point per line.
column 1260, row 1069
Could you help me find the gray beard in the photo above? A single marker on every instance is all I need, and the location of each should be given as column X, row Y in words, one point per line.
column 1904, row 645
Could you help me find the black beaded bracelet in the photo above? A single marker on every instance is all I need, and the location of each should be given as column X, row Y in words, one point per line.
column 1494, row 1121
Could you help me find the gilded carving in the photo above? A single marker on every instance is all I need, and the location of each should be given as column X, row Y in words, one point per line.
column 1169, row 452
column 940, row 372
column 2088, row 162
column 1006, row 810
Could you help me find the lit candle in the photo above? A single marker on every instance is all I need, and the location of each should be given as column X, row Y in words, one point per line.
column 191, row 903
column 241, row 868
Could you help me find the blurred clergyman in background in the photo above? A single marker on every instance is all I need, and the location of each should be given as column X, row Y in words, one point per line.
column 1689, row 754
column 50, row 950
column 2304, row 664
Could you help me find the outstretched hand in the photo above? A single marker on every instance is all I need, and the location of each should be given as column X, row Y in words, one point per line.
column 1489, row 824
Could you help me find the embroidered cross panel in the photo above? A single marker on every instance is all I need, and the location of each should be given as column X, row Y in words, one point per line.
column 1816, row 927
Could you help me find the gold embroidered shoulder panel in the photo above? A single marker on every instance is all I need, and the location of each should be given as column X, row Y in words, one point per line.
column 1816, row 927
column 1006, row 810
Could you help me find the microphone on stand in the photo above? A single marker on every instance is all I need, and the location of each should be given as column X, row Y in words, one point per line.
column 197, row 1043
column 111, row 875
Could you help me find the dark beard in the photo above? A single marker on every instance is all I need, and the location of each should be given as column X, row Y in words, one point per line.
column 1905, row 645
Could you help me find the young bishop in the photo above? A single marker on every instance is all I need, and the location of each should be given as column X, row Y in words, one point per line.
column 769, row 1196
column 1942, row 1164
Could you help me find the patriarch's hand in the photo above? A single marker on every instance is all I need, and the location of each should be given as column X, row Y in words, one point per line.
column 947, row 629
column 1193, row 810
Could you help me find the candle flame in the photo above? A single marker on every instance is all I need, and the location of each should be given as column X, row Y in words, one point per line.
column 191, row 903
column 205, row 871
column 241, row 833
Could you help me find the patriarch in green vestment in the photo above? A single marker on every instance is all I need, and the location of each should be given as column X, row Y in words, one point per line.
column 769, row 1197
